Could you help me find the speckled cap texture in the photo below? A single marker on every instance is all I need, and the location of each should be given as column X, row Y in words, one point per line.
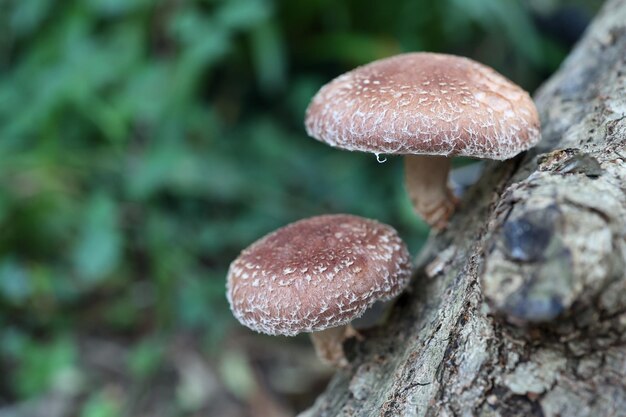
column 425, row 103
column 316, row 273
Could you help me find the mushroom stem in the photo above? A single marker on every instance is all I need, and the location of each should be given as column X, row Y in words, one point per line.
column 329, row 344
column 426, row 179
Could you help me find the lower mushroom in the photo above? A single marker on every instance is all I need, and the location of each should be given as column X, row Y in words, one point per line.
column 316, row 275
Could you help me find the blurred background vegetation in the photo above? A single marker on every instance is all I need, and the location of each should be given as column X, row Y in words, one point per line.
column 144, row 143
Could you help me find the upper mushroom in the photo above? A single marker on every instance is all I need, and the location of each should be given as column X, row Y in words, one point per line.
column 425, row 104
column 316, row 274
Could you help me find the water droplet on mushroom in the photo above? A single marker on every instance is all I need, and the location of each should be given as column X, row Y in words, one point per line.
column 381, row 158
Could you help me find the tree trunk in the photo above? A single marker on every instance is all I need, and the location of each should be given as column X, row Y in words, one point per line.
column 519, row 307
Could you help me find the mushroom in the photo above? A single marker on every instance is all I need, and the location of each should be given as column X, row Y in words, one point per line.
column 427, row 107
column 316, row 275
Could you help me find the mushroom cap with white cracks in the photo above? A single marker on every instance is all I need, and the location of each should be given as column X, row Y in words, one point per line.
column 425, row 103
column 316, row 273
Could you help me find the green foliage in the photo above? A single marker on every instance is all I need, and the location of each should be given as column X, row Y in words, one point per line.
column 41, row 365
column 101, row 404
column 145, row 143
column 97, row 249
column 145, row 358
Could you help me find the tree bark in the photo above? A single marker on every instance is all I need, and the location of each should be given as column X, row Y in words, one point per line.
column 518, row 308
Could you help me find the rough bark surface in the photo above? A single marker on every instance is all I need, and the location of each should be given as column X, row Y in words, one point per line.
column 519, row 307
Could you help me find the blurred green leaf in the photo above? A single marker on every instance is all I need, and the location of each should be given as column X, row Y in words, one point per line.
column 508, row 16
column 98, row 249
column 243, row 14
column 26, row 16
column 101, row 404
column 146, row 357
column 40, row 365
column 269, row 57
column 116, row 7
column 14, row 284
column 353, row 48
column 237, row 374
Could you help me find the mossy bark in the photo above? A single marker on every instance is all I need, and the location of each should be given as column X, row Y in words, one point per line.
column 518, row 308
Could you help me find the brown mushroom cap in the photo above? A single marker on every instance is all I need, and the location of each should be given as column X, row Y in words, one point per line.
column 316, row 273
column 425, row 103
